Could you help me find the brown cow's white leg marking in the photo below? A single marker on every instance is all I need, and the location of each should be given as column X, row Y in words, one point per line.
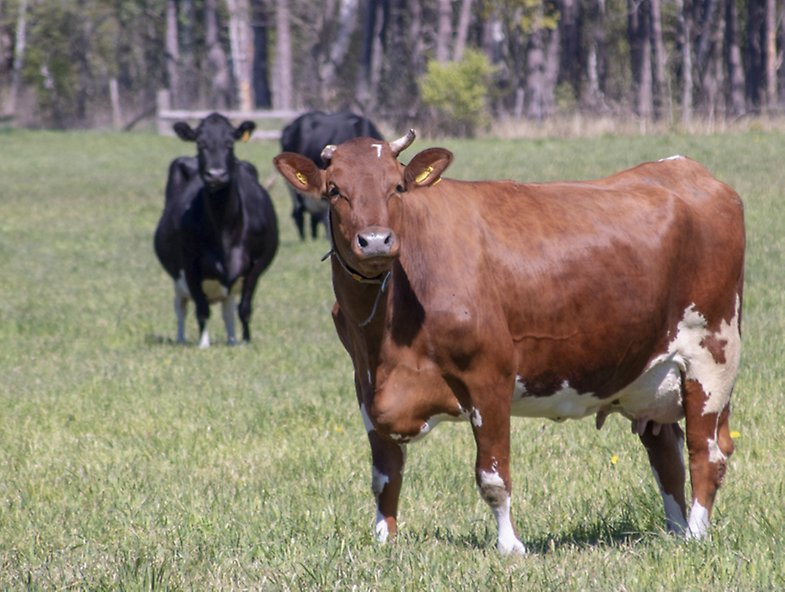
column 494, row 492
column 712, row 364
column 388, row 461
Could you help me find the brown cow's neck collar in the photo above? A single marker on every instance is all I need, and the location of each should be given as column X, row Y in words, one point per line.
column 381, row 280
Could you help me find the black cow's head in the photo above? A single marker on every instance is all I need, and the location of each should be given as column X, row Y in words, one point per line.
column 215, row 138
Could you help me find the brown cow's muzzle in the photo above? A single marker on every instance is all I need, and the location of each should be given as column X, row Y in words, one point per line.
column 375, row 247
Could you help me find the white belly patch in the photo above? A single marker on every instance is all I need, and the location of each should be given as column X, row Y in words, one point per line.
column 655, row 395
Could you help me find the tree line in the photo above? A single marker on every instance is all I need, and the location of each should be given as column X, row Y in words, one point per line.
column 453, row 65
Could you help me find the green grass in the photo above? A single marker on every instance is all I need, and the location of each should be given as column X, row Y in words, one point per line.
column 127, row 462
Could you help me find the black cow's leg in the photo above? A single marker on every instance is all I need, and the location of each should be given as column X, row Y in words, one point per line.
column 664, row 445
column 298, row 213
column 491, row 427
column 244, row 309
column 180, row 307
column 228, row 307
column 202, row 306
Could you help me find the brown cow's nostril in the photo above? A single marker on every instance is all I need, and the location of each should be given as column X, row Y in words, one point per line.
column 362, row 242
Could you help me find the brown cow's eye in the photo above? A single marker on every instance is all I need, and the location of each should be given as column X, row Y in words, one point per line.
column 333, row 191
column 400, row 188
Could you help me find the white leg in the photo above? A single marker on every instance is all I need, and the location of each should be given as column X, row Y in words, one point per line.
column 699, row 522
column 495, row 494
column 204, row 339
column 180, row 305
column 228, row 308
column 675, row 521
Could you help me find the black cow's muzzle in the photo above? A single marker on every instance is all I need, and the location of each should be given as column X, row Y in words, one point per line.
column 214, row 178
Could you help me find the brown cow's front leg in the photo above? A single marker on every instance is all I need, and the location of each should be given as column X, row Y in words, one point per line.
column 664, row 445
column 388, row 459
column 492, row 472
column 709, row 445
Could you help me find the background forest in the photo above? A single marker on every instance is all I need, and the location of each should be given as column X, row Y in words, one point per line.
column 452, row 66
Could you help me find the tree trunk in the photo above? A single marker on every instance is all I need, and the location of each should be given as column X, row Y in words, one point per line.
column 463, row 30
column 241, row 43
column 756, row 23
column 261, row 76
column 370, row 67
column 283, row 96
column 771, row 55
column 339, row 47
column 685, row 41
column 217, row 70
column 172, row 52
column 443, row 30
column 570, row 33
column 542, row 67
column 19, row 59
column 733, row 60
column 596, row 62
column 660, row 84
column 638, row 33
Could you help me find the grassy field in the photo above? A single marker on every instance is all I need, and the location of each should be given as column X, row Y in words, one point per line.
column 127, row 462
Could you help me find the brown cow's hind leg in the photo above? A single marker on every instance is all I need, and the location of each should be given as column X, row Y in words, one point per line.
column 664, row 446
column 709, row 445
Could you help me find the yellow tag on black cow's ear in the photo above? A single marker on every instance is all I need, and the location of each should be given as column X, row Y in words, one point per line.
column 301, row 178
column 246, row 136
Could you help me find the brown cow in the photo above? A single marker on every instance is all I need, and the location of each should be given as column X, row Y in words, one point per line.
column 482, row 300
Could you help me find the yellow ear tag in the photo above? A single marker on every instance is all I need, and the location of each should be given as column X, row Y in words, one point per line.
column 301, row 178
column 423, row 175
column 246, row 136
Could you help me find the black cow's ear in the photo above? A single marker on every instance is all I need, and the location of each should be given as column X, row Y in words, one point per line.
column 301, row 173
column 244, row 131
column 426, row 168
column 184, row 131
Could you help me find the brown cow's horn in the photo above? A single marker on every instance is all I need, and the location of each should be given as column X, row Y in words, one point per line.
column 327, row 153
column 402, row 143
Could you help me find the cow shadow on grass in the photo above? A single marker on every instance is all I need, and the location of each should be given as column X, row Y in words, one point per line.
column 597, row 533
column 166, row 341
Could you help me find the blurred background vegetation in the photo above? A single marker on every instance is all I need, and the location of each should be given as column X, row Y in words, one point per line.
column 454, row 66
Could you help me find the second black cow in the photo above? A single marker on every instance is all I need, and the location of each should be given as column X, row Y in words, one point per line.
column 308, row 135
column 218, row 231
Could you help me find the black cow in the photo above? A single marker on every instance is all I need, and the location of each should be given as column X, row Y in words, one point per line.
column 308, row 135
column 218, row 231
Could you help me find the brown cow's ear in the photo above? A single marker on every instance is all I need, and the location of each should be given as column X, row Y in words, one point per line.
column 300, row 172
column 426, row 168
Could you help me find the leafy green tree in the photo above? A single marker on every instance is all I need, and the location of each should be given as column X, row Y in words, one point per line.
column 456, row 94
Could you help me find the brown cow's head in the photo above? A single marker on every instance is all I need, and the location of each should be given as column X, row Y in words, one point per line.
column 364, row 185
